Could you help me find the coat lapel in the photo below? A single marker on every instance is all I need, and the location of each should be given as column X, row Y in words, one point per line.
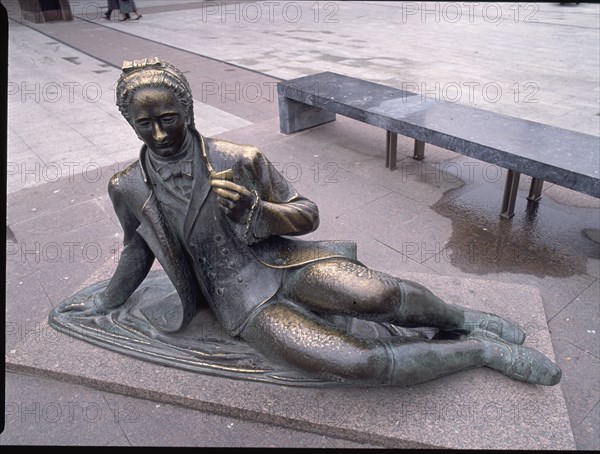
column 155, row 230
column 200, row 187
column 172, row 315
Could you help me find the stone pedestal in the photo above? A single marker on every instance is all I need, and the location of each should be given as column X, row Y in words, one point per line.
column 476, row 409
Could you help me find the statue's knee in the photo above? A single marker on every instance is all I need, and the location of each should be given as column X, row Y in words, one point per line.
column 416, row 292
column 388, row 298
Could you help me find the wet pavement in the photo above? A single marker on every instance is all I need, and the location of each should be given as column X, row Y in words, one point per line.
column 441, row 215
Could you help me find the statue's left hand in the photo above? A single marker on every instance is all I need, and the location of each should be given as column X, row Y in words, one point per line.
column 234, row 199
column 84, row 306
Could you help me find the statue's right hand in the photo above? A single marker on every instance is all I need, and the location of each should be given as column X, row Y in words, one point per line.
column 85, row 305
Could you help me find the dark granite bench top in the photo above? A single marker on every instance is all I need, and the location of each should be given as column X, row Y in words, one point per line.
column 567, row 158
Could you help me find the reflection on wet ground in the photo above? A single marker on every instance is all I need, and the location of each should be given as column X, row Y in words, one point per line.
column 539, row 240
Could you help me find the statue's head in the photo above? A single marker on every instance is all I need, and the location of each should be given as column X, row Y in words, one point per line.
column 148, row 73
column 156, row 100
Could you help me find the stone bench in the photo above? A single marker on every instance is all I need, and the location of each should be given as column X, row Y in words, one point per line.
column 546, row 153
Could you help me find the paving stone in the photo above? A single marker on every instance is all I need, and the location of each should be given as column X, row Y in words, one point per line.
column 580, row 370
column 46, row 412
column 577, row 323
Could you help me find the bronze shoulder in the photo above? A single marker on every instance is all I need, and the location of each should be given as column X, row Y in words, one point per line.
column 224, row 153
column 130, row 177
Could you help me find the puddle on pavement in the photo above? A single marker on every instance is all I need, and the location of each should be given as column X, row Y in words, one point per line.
column 542, row 241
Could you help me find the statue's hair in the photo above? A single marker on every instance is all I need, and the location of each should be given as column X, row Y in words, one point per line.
column 152, row 73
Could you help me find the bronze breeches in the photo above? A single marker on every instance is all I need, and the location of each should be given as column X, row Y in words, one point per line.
column 339, row 286
column 290, row 328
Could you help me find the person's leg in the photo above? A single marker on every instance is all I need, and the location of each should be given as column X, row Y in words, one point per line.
column 294, row 335
column 346, row 287
column 135, row 9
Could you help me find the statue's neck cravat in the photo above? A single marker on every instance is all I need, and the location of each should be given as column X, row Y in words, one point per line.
column 177, row 172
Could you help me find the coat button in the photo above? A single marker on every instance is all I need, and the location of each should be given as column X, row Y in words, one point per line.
column 212, row 275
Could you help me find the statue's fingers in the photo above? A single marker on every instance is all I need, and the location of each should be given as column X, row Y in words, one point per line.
column 229, row 185
column 73, row 306
column 225, row 184
column 227, row 194
column 88, row 312
column 225, row 203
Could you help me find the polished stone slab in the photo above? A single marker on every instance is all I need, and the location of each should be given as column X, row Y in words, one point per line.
column 567, row 158
column 474, row 409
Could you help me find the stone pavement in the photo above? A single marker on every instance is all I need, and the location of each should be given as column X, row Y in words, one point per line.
column 66, row 138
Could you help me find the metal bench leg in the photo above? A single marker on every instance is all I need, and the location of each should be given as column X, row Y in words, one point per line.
column 391, row 145
column 510, row 194
column 535, row 190
column 419, row 152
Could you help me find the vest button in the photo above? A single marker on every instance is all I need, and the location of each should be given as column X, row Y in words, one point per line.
column 225, row 251
column 212, row 275
column 220, row 291
column 240, row 279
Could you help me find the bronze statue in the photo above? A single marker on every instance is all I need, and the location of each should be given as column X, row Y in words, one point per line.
column 219, row 218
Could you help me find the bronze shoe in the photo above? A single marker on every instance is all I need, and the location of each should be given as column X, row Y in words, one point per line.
column 505, row 329
column 518, row 362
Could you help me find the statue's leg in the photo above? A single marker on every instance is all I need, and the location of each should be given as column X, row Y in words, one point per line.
column 296, row 336
column 343, row 286
column 420, row 305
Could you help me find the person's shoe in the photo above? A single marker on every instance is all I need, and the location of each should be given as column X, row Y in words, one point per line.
column 516, row 361
column 139, row 17
column 505, row 329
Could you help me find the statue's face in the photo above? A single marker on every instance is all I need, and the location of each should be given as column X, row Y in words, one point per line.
column 159, row 120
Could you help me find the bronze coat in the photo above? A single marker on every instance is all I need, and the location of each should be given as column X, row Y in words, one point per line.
column 151, row 231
